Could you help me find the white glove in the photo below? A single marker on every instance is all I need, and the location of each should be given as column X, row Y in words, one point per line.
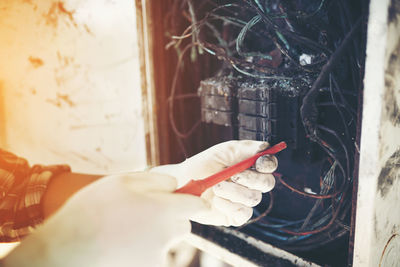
column 120, row 220
column 229, row 202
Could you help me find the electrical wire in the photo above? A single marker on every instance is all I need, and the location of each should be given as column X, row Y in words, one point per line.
column 227, row 30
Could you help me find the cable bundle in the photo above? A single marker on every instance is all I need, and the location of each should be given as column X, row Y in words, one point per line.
column 279, row 40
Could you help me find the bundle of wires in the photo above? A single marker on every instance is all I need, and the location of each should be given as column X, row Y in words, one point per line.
column 280, row 39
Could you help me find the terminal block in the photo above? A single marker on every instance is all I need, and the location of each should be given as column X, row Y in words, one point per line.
column 262, row 109
column 218, row 100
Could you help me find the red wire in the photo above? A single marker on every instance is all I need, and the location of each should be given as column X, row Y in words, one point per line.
column 279, row 176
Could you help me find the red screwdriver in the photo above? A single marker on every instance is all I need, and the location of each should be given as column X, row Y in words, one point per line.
column 197, row 187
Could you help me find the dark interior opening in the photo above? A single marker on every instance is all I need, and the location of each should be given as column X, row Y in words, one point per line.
column 272, row 70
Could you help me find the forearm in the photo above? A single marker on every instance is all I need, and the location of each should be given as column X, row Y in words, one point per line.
column 62, row 187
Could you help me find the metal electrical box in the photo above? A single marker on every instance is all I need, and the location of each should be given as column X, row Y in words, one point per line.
column 323, row 76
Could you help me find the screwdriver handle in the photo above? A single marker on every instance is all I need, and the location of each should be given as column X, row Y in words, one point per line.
column 197, row 187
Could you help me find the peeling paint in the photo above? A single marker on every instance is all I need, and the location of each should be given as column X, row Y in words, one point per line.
column 376, row 232
column 57, row 10
column 54, row 102
column 391, row 170
column 66, row 69
column 36, row 62
column 87, row 29
column 378, row 190
column 389, row 173
column 84, row 104
column 30, row 2
column 394, row 11
column 66, row 99
column 66, row 60
column 391, row 74
column 61, row 98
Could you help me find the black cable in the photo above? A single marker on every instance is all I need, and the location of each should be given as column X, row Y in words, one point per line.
column 308, row 110
column 217, row 32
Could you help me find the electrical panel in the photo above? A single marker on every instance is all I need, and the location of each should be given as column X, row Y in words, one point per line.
column 290, row 70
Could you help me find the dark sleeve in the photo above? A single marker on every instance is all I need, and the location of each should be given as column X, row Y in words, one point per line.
column 21, row 191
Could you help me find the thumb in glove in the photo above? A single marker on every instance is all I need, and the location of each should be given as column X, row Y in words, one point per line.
column 230, row 202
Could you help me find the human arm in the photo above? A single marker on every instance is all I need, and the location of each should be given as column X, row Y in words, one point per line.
column 120, row 220
column 62, row 187
column 21, row 192
column 129, row 219
column 250, row 185
column 30, row 194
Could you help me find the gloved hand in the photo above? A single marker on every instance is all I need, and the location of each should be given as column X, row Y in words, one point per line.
column 229, row 202
column 120, row 220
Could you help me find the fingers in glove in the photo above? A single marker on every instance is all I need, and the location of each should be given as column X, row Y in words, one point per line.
column 236, row 213
column 184, row 205
column 237, row 193
column 266, row 164
column 231, row 152
column 263, row 182
column 211, row 217
column 212, row 160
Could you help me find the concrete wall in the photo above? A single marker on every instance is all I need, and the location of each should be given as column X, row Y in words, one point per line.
column 70, row 84
column 377, row 239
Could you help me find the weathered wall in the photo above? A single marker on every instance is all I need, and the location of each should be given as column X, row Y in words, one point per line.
column 377, row 239
column 70, row 85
